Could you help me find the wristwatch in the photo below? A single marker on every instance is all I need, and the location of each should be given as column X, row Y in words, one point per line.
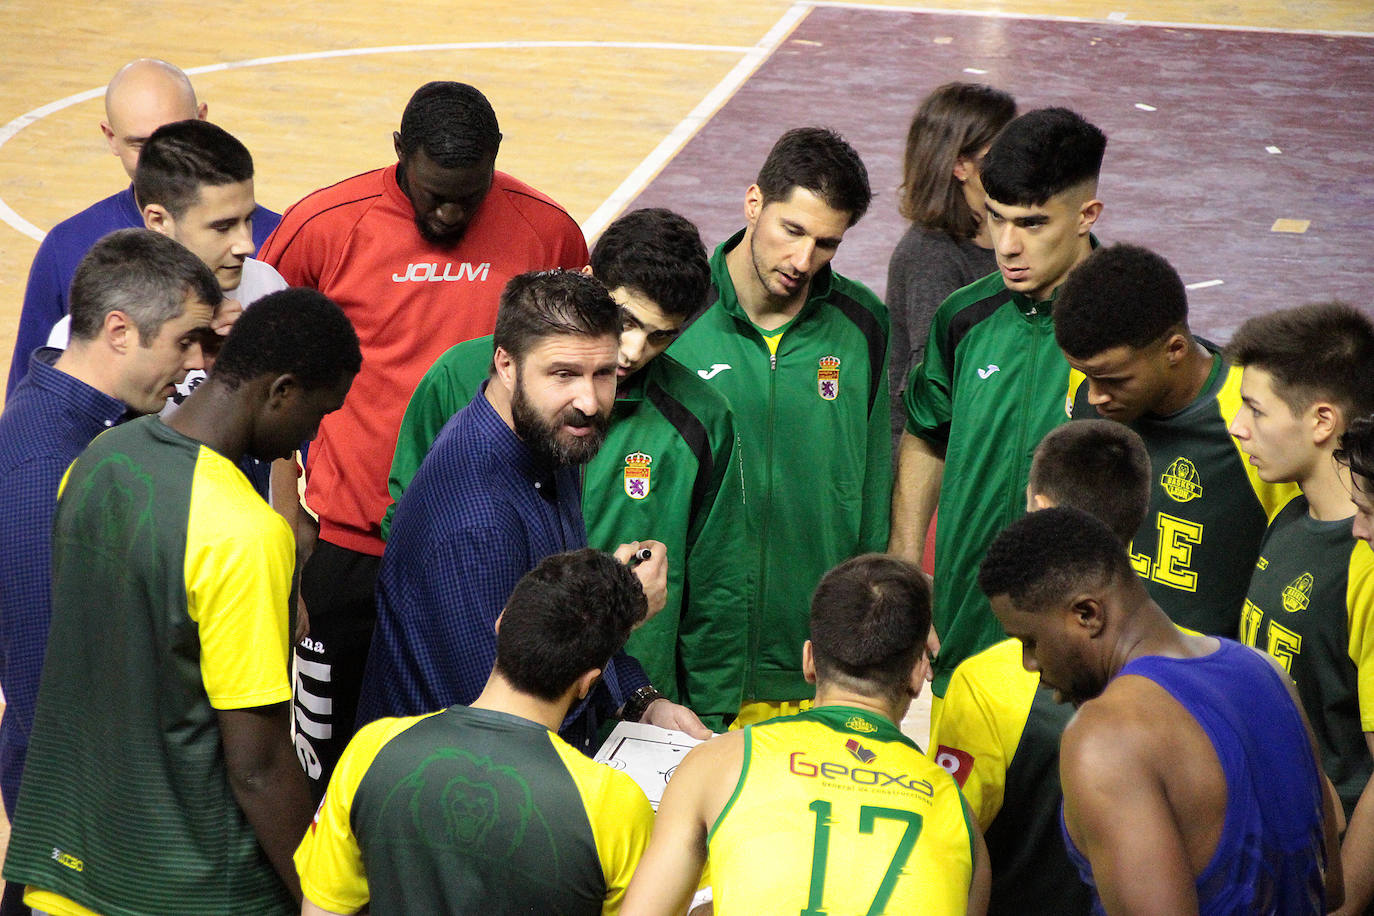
column 638, row 703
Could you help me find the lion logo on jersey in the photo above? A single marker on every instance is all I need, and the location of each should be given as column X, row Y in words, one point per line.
column 637, row 475
column 455, row 800
column 1181, row 481
column 1298, row 593
column 828, row 378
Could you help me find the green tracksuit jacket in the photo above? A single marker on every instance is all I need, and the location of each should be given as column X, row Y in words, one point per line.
column 992, row 384
column 669, row 470
column 813, row 423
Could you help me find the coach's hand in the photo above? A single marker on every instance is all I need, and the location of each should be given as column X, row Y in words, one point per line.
column 666, row 714
column 652, row 573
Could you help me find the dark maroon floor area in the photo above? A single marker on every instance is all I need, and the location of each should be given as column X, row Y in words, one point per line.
column 1191, row 179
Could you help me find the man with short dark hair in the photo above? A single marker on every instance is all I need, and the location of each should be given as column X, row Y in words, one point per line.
column 194, row 183
column 1122, row 322
column 141, row 304
column 991, row 384
column 160, row 776
column 483, row 807
column 1306, row 373
column 999, row 727
column 1190, row 777
column 416, row 255
column 496, row 494
column 800, row 352
column 144, row 95
column 669, row 467
column 834, row 809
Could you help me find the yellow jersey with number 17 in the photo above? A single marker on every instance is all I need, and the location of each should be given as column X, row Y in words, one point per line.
column 837, row 812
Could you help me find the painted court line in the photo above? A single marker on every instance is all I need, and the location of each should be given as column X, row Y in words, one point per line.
column 988, row 14
column 677, row 138
column 10, row 130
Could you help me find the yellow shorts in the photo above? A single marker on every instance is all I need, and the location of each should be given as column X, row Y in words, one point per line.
column 752, row 712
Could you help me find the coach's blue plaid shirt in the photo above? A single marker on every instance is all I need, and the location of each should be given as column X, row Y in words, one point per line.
column 48, row 421
column 481, row 512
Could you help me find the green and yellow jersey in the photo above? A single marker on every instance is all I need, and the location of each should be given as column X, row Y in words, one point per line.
column 998, row 735
column 1208, row 507
column 472, row 810
column 1311, row 606
column 836, row 811
column 170, row 588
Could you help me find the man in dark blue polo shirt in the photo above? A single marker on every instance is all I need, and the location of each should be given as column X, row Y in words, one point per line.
column 140, row 302
column 498, row 492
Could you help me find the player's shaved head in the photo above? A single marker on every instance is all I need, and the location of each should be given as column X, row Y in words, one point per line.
column 144, row 95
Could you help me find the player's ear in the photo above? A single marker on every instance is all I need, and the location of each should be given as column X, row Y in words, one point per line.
column 280, row 389
column 1326, row 421
column 808, row 662
column 920, row 673
column 1088, row 214
column 753, row 203
column 586, row 682
column 1089, row 614
column 159, row 219
column 1177, row 346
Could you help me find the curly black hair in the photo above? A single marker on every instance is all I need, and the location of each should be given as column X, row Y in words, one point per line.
column 295, row 331
column 1043, row 557
column 1121, row 296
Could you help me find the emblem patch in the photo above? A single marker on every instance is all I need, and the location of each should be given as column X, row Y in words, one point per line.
column 637, row 475
column 828, row 377
column 1298, row 593
column 1181, row 481
column 859, row 724
column 861, row 753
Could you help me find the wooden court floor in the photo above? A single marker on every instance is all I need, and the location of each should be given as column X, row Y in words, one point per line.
column 595, row 99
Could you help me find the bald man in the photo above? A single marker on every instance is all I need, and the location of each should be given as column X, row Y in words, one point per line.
column 142, row 96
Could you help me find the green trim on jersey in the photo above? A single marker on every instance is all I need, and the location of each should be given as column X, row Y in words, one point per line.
column 126, row 805
column 1208, row 511
column 817, row 451
column 1311, row 606
column 991, row 386
column 669, row 470
column 739, row 785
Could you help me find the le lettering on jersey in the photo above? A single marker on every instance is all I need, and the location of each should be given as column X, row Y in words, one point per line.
column 432, row 272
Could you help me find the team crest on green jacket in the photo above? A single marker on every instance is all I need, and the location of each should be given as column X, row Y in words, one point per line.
column 1181, row 481
column 1298, row 593
column 828, row 377
column 637, row 475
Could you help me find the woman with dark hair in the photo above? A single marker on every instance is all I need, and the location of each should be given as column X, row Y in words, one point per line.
column 948, row 245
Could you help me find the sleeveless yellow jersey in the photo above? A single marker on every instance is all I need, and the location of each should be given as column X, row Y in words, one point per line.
column 837, row 812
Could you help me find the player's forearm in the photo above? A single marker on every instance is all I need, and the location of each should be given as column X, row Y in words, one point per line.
column 1357, row 855
column 268, row 784
column 915, row 495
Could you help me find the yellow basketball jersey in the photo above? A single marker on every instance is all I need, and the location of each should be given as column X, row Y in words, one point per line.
column 837, row 812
